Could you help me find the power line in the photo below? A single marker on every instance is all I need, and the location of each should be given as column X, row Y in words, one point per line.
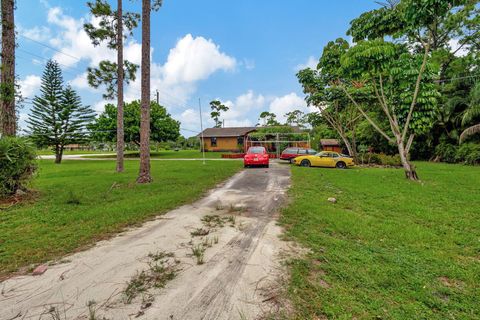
column 51, row 48
column 45, row 59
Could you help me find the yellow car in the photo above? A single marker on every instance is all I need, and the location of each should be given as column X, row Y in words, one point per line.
column 328, row 159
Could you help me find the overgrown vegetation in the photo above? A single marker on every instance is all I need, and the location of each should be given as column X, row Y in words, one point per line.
column 17, row 165
column 377, row 253
column 102, row 204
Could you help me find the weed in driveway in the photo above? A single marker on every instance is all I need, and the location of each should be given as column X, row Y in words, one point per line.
column 199, row 232
column 162, row 268
column 198, row 252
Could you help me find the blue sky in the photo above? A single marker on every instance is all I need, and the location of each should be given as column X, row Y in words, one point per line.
column 245, row 53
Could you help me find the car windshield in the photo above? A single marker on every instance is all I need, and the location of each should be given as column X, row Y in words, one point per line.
column 257, row 150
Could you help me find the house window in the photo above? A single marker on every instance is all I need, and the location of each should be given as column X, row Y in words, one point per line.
column 213, row 141
column 240, row 141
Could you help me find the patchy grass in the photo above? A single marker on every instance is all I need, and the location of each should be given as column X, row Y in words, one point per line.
column 169, row 154
column 162, row 268
column 80, row 202
column 389, row 248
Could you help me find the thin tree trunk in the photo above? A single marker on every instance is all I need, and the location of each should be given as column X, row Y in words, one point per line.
column 7, row 87
column 120, row 133
column 58, row 154
column 409, row 168
column 144, row 174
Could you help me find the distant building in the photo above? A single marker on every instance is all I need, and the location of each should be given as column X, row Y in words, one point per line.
column 225, row 139
column 331, row 145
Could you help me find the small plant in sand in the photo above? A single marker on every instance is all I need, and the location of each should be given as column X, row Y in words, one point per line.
column 162, row 268
column 199, row 232
column 198, row 252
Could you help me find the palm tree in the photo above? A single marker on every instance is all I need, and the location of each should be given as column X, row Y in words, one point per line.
column 472, row 112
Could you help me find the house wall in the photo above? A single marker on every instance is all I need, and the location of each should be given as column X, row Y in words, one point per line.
column 223, row 144
column 332, row 148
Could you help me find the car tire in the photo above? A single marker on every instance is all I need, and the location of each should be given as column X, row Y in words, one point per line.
column 341, row 165
column 267, row 166
column 305, row 163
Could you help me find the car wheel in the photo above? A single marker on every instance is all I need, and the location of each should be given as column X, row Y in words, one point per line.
column 267, row 166
column 341, row 165
column 305, row 163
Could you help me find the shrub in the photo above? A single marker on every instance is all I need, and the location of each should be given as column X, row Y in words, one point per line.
column 446, row 152
column 468, row 153
column 381, row 159
column 17, row 164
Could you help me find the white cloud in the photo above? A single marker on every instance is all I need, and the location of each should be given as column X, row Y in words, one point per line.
column 290, row 102
column 310, row 63
column 81, row 82
column 195, row 59
column 36, row 33
column 249, row 64
column 30, row 85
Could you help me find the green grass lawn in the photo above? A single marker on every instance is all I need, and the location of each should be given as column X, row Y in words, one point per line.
column 390, row 248
column 80, row 202
column 170, row 154
column 49, row 152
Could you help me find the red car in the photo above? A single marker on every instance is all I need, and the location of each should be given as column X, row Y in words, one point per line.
column 291, row 153
column 256, row 156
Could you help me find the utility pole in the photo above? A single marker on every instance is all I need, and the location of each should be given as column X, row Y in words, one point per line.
column 158, row 97
column 201, row 128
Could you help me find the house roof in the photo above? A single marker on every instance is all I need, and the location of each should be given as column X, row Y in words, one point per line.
column 226, row 132
column 329, row 142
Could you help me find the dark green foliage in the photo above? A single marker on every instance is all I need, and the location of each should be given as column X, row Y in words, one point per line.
column 17, row 164
column 162, row 126
column 468, row 153
column 446, row 152
column 58, row 117
column 106, row 74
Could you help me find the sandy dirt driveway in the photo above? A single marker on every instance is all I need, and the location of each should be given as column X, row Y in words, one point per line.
column 241, row 262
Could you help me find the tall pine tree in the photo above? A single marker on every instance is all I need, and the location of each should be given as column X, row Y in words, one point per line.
column 112, row 75
column 58, row 117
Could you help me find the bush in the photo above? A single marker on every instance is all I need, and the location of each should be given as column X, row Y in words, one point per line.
column 17, row 164
column 468, row 153
column 446, row 152
column 381, row 159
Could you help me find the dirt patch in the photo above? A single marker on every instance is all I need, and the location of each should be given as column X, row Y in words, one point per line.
column 236, row 278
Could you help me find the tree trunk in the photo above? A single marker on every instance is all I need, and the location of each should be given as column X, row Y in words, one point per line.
column 144, row 174
column 58, row 154
column 409, row 168
column 120, row 133
column 7, row 87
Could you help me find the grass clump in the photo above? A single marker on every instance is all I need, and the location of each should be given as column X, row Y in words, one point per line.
column 162, row 268
column 390, row 248
column 198, row 251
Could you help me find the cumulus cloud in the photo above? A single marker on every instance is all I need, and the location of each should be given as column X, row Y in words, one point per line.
column 30, row 85
column 310, row 63
column 290, row 102
column 195, row 59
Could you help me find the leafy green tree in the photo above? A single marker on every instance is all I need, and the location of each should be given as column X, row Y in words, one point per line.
column 58, row 117
column 331, row 102
column 295, row 117
column 112, row 75
column 269, row 119
column 217, row 108
column 162, row 126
